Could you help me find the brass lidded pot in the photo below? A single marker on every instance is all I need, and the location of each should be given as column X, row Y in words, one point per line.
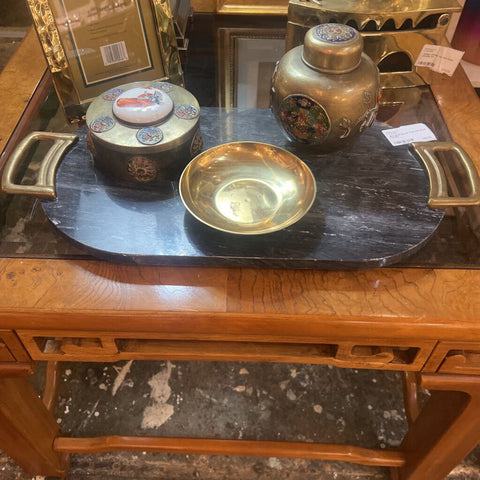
column 326, row 91
column 144, row 132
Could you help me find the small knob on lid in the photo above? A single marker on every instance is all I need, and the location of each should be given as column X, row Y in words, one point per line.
column 332, row 48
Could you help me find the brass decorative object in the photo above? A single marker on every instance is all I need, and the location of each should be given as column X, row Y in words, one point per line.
column 439, row 197
column 247, row 188
column 262, row 7
column 325, row 92
column 144, row 132
column 44, row 186
column 394, row 31
column 91, row 47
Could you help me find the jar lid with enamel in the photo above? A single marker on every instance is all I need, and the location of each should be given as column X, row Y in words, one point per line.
column 332, row 48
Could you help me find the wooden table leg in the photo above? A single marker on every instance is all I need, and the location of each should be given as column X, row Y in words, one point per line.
column 446, row 430
column 28, row 429
column 52, row 383
column 410, row 396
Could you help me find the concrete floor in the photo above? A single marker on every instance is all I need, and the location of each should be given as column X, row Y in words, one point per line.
column 229, row 400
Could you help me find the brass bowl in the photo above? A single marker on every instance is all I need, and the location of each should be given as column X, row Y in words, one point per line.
column 247, row 188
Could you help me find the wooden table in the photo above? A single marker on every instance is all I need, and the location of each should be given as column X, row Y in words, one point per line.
column 424, row 322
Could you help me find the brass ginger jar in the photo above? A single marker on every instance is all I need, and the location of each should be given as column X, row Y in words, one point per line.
column 144, row 132
column 326, row 91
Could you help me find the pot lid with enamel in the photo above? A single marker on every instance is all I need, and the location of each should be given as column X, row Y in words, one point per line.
column 137, row 116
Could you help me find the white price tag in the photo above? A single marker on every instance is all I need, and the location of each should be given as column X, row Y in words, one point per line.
column 439, row 59
column 417, row 132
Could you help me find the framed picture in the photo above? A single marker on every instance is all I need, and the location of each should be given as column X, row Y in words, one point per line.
column 246, row 59
column 92, row 46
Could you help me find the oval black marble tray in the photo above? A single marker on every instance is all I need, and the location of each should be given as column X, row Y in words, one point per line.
column 371, row 207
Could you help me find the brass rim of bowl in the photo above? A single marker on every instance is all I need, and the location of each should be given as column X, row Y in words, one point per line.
column 224, row 223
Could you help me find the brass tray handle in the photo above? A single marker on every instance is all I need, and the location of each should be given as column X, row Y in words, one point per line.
column 439, row 197
column 44, row 186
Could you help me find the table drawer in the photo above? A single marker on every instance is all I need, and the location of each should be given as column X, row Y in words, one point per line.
column 455, row 357
column 108, row 346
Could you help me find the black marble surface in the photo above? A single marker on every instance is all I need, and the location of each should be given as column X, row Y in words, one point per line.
column 370, row 208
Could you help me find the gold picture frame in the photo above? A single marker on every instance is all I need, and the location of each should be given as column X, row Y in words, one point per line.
column 92, row 46
column 264, row 7
column 246, row 59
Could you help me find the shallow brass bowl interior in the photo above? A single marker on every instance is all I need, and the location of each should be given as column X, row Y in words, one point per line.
column 247, row 188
